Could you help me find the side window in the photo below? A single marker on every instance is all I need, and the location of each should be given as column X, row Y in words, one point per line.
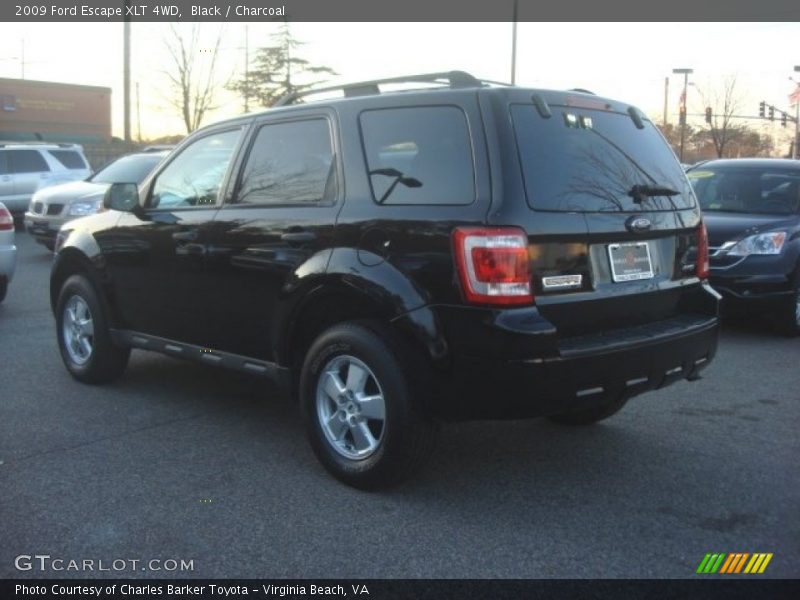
column 194, row 177
column 290, row 163
column 27, row 161
column 3, row 163
column 419, row 155
column 68, row 158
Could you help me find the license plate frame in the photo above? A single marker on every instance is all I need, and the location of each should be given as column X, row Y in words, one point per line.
column 624, row 267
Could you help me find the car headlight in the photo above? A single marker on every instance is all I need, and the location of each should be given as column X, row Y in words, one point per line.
column 81, row 209
column 761, row 243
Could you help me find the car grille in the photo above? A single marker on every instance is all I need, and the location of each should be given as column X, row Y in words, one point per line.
column 38, row 207
column 55, row 209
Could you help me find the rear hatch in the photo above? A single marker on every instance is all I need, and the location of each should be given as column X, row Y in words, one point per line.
column 611, row 218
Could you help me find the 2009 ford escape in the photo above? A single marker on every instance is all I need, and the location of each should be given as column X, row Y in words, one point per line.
column 464, row 251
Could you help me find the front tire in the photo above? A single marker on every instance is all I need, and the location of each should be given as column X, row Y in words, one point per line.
column 83, row 333
column 790, row 321
column 358, row 388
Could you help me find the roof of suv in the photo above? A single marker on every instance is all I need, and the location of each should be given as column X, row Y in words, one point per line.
column 40, row 145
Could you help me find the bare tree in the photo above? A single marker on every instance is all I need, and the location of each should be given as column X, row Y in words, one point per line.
column 724, row 103
column 193, row 83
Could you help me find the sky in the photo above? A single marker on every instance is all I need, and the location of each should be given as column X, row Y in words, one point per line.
column 625, row 61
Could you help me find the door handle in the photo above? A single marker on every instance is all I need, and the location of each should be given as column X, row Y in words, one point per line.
column 298, row 237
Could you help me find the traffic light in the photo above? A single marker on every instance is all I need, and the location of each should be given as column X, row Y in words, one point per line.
column 783, row 119
column 762, row 107
column 708, row 115
column 682, row 115
column 771, row 113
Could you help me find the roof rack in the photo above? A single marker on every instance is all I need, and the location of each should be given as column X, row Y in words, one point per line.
column 452, row 79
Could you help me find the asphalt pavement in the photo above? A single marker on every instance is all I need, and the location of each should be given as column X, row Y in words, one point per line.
column 181, row 462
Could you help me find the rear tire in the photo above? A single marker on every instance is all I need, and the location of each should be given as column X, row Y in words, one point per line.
column 50, row 245
column 590, row 416
column 83, row 333
column 357, row 389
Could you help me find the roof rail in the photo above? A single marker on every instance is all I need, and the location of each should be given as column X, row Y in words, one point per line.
column 452, row 79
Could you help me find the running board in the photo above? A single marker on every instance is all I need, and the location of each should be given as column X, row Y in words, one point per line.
column 207, row 356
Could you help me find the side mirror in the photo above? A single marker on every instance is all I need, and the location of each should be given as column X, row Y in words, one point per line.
column 122, row 196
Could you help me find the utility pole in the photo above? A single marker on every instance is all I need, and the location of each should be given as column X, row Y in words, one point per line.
column 138, row 115
column 795, row 152
column 685, row 73
column 126, row 75
column 246, row 71
column 514, row 45
column 666, row 99
column 22, row 59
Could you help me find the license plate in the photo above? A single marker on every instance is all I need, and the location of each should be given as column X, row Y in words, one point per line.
column 630, row 262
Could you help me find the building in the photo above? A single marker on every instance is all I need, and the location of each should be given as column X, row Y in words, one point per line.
column 54, row 112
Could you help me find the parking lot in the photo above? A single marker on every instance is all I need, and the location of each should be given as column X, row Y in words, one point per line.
column 179, row 461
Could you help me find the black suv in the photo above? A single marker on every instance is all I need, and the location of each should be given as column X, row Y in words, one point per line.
column 396, row 259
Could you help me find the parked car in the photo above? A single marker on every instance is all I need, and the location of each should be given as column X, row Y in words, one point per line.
column 397, row 259
column 752, row 209
column 50, row 208
column 8, row 251
column 26, row 167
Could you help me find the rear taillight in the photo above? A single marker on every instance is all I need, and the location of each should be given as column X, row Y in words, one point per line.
column 6, row 220
column 493, row 265
column 701, row 264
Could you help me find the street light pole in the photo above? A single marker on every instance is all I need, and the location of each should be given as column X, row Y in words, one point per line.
column 685, row 73
column 514, row 46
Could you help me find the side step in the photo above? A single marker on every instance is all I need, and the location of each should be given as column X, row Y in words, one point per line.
column 208, row 356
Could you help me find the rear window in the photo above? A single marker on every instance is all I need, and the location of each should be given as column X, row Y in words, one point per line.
column 584, row 160
column 747, row 190
column 69, row 158
column 419, row 155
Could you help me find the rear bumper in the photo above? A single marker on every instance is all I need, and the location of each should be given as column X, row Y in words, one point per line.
column 527, row 370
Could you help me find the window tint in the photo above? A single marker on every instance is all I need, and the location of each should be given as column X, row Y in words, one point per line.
column 27, row 161
column 747, row 190
column 418, row 155
column 194, row 177
column 69, row 158
column 587, row 160
column 289, row 163
column 3, row 163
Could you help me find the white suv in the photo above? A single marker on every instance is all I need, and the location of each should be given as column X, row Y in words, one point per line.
column 27, row 167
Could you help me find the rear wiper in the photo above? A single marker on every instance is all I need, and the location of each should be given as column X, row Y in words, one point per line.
column 641, row 191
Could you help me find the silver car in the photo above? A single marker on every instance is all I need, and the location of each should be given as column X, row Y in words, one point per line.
column 8, row 251
column 51, row 207
column 27, row 167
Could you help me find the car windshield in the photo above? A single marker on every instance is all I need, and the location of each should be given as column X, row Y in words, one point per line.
column 767, row 191
column 128, row 169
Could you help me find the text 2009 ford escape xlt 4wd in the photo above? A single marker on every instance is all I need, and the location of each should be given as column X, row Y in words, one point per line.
column 403, row 258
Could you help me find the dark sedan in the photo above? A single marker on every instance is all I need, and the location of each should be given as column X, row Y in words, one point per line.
column 752, row 212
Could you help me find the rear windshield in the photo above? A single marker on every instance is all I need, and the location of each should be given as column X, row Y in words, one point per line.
column 68, row 158
column 747, row 190
column 128, row 169
column 585, row 160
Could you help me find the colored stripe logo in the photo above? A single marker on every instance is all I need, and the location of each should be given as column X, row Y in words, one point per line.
column 734, row 562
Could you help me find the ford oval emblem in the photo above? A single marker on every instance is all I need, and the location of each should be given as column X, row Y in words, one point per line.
column 638, row 224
